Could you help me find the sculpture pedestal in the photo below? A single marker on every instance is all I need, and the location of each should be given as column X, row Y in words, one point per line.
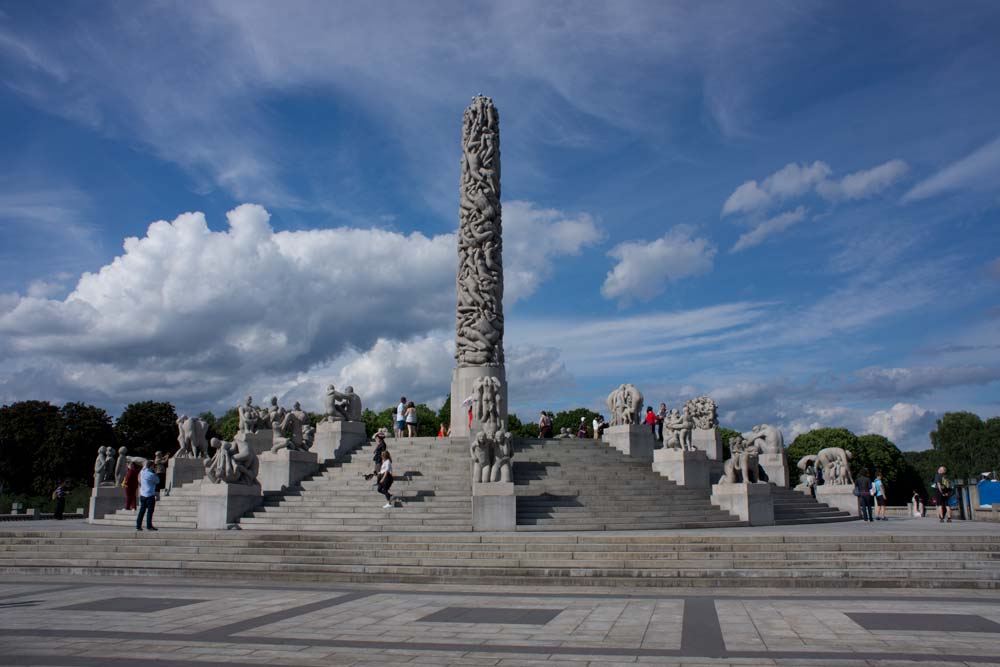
column 260, row 441
column 840, row 496
column 334, row 439
column 752, row 503
column 708, row 441
column 105, row 500
column 285, row 468
column 775, row 468
column 183, row 471
column 494, row 506
column 687, row 468
column 220, row 505
column 635, row 440
column 462, row 379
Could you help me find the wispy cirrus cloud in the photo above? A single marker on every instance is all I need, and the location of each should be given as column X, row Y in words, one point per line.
column 979, row 170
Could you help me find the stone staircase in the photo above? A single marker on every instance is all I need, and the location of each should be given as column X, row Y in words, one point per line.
column 584, row 484
column 178, row 510
column 794, row 507
column 850, row 559
column 432, row 482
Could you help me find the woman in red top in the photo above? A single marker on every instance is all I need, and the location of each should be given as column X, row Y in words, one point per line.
column 131, row 484
column 651, row 420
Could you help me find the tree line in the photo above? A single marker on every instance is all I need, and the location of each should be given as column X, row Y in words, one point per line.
column 41, row 443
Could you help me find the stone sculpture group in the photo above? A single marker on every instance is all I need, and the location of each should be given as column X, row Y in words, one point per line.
column 677, row 428
column 742, row 466
column 110, row 466
column 479, row 314
column 625, row 405
column 191, row 438
column 233, row 463
column 703, row 412
column 492, row 447
column 341, row 406
column 834, row 462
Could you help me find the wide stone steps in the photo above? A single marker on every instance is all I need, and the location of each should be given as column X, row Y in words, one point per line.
column 178, row 510
column 432, row 487
column 793, row 507
column 637, row 559
column 586, row 485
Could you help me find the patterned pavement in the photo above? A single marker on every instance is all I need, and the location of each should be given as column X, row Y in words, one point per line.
column 173, row 623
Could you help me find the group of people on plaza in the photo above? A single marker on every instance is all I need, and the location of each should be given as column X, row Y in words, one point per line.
column 872, row 495
column 406, row 417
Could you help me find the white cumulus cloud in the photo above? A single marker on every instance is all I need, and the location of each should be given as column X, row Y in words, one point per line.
column 644, row 268
column 792, row 180
column 906, row 424
column 769, row 227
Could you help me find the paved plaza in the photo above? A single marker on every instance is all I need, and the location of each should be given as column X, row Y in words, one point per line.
column 161, row 622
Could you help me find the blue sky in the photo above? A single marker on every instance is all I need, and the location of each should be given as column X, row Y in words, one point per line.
column 790, row 206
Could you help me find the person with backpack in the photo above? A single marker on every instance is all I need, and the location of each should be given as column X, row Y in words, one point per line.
column 942, row 493
column 863, row 490
column 878, row 491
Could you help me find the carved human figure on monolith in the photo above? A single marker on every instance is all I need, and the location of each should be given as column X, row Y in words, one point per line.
column 487, row 403
column 503, row 448
column 482, row 458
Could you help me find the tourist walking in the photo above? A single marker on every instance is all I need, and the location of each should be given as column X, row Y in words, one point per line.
column 651, row 420
column 411, row 420
column 60, row 495
column 581, row 432
column 400, row 416
column 863, row 490
column 131, row 485
column 917, row 501
column 385, row 479
column 878, row 490
column 942, row 494
column 377, row 456
column 544, row 425
column 148, row 481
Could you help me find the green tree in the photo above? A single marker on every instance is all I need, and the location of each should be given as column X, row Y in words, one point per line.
column 815, row 440
column 376, row 420
column 962, row 440
column 85, row 428
column 571, row 420
column 726, row 434
column 147, row 427
column 878, row 453
column 519, row 429
column 27, row 427
column 226, row 426
column 444, row 414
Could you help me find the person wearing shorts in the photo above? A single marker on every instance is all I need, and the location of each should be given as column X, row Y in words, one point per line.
column 942, row 493
column 878, row 491
column 401, row 416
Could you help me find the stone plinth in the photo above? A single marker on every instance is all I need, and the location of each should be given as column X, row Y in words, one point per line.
column 184, row 471
column 220, row 505
column 105, row 500
column 687, row 468
column 840, row 496
column 334, row 439
column 752, row 503
column 708, row 441
column 635, row 440
column 774, row 468
column 462, row 379
column 494, row 507
column 260, row 441
column 285, row 468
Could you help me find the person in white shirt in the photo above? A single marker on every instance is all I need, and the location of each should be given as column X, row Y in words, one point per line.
column 148, row 481
column 400, row 416
column 385, row 479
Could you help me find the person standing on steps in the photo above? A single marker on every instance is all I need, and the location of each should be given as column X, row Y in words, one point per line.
column 581, row 431
column 651, row 420
column 411, row 420
column 60, row 495
column 661, row 416
column 863, row 490
column 385, row 479
column 544, row 425
column 148, row 481
column 377, row 455
column 878, row 491
column 400, row 416
column 942, row 494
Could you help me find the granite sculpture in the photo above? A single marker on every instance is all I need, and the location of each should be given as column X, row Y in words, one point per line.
column 233, row 463
column 482, row 458
column 677, row 429
column 625, row 405
column 191, row 438
column 248, row 415
column 834, row 462
column 341, row 406
column 479, row 316
column 503, row 451
column 487, row 404
column 104, row 467
column 274, row 412
column 703, row 412
column 742, row 465
column 121, row 466
column 767, row 437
